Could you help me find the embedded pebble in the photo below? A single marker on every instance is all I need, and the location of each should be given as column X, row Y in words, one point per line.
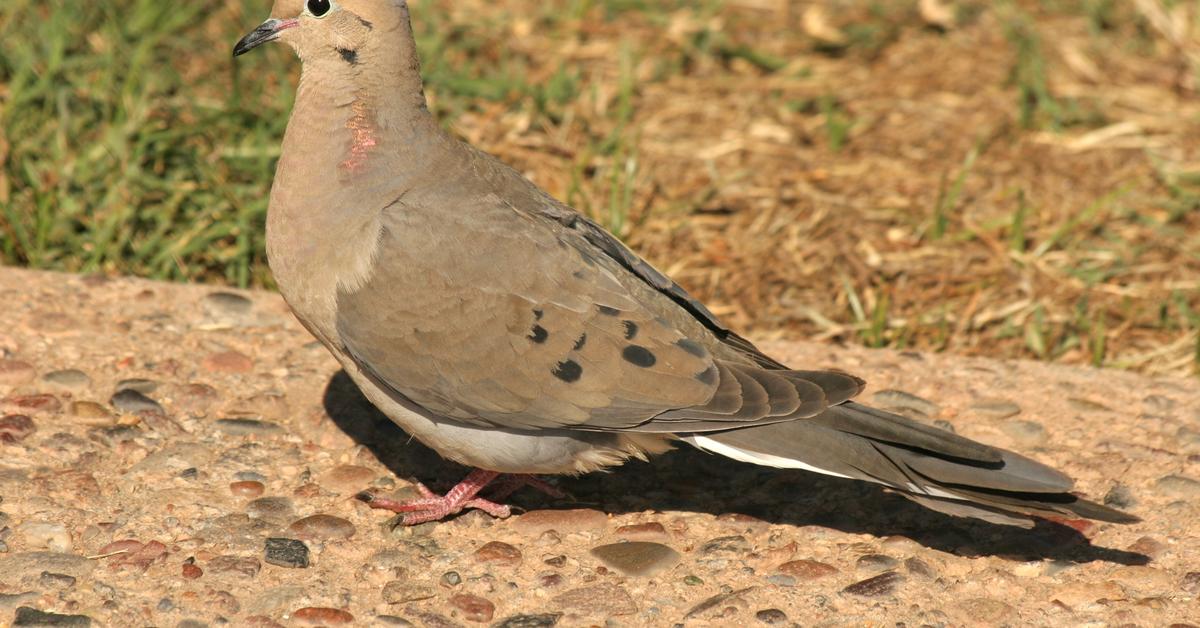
column 875, row 563
column 771, row 616
column 652, row 531
column 996, row 408
column 1120, row 497
column 31, row 404
column 563, row 521
column 16, row 372
column 883, row 584
column 322, row 527
column 320, row 616
column 15, row 428
column 637, row 558
column 541, row 620
column 404, row 591
column 292, row 553
column 144, row 386
column 607, row 599
column 91, row 412
column 69, row 379
column 1178, row 486
column 348, row 479
column 473, row 607
column 1190, row 582
column 247, row 488
column 132, row 402
column 1024, row 433
column 722, row 545
column 51, row 536
column 56, row 580
column 27, row 616
column 227, row 307
column 238, row 565
column 499, row 553
column 899, row 401
column 918, row 567
column 270, row 508
column 247, row 427
column 227, row 362
column 806, row 569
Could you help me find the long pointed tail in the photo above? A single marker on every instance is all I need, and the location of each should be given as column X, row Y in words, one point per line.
column 935, row 468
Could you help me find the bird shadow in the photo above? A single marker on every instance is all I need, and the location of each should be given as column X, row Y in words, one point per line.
column 690, row 480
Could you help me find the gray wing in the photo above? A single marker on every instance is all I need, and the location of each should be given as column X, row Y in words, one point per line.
column 497, row 315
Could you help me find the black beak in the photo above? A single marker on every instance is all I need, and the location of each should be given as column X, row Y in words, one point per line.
column 267, row 31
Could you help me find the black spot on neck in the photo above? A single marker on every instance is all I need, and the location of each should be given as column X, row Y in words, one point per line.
column 348, row 55
column 568, row 371
column 638, row 356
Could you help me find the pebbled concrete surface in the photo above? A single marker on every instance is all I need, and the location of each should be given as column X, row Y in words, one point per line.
column 153, row 437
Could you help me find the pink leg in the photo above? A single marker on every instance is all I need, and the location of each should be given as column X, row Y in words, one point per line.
column 432, row 507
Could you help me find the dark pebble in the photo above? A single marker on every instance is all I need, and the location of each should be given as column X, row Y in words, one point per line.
column 144, row 386
column 918, row 567
column 283, row 552
column 1119, row 496
column 51, row 580
column 1191, row 582
column 133, row 402
column 771, row 616
column 726, row 545
column 72, row 379
column 544, row 620
column 883, row 584
column 27, row 616
column 875, row 563
column 247, row 427
column 15, row 428
column 473, row 607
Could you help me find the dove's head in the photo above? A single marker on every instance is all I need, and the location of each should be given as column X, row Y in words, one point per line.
column 332, row 30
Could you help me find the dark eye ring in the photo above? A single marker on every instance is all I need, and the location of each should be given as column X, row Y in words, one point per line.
column 318, row 8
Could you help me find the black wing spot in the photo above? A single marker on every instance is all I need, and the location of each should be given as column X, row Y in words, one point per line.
column 348, row 55
column 638, row 356
column 568, row 371
column 691, row 346
column 580, row 342
column 608, row 311
column 538, row 334
column 708, row 376
column 631, row 329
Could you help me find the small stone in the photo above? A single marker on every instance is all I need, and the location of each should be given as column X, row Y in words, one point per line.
column 247, row 488
column 227, row 362
column 27, row 616
column 392, row 620
column 69, row 379
column 807, row 569
column 196, row 398
column 227, row 306
column 1178, row 486
column 875, row 563
column 133, row 554
column 16, row 372
column 780, row 579
column 322, row 527
column 318, row 616
column 883, row 584
column 284, row 552
column 348, row 479
column 238, row 565
column 133, row 402
column 473, row 607
column 31, row 404
column 1024, row 433
column 907, row 404
column 736, row 544
column 550, row 580
column 270, row 508
column 996, row 408
column 918, row 567
column 404, row 591
column 1148, row 546
column 144, row 386
column 1087, row 405
column 56, row 580
column 51, row 536
column 601, row 599
column 543, row 620
column 15, row 428
column 986, row 611
column 1119, row 496
column 771, row 616
column 555, row 561
column 498, row 553
column 250, row 476
column 91, row 412
column 1191, row 582
column 451, row 579
column 564, row 521
column 247, row 427
column 637, row 558
column 191, row 571
column 652, row 531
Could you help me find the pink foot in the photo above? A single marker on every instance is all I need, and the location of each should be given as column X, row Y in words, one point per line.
column 433, row 507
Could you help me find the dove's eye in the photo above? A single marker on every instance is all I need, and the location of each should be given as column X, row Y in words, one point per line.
column 318, row 8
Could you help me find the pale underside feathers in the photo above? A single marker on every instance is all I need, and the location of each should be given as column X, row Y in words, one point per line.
column 491, row 321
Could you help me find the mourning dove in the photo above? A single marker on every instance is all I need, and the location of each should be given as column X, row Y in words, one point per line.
column 511, row 334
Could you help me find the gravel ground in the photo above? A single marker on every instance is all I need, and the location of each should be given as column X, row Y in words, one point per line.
column 172, row 455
